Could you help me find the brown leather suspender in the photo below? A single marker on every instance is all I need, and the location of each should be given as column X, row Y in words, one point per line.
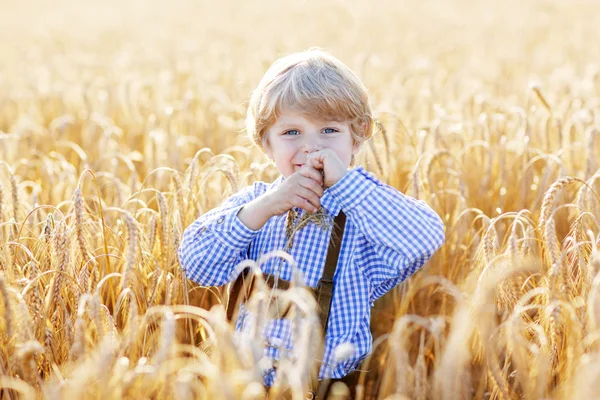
column 325, row 286
column 324, row 290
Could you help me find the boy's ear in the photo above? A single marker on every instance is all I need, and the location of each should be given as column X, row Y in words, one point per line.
column 357, row 146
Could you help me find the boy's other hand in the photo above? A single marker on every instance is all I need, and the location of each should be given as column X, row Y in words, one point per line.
column 328, row 161
column 302, row 189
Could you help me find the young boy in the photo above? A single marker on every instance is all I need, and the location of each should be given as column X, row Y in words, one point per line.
column 310, row 115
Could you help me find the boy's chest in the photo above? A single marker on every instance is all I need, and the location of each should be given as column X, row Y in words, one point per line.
column 308, row 250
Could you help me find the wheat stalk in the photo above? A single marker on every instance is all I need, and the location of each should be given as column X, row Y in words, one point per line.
column 541, row 98
column 178, row 192
column 79, row 344
column 167, row 336
column 421, row 386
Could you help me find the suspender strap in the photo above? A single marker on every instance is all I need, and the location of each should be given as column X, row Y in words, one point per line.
column 244, row 284
column 241, row 284
column 325, row 285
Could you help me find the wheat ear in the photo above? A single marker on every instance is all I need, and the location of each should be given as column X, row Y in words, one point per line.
column 84, row 274
column 550, row 198
column 15, row 197
column 133, row 249
column 61, row 254
column 1, row 201
column 290, row 218
column 152, row 233
column 7, row 309
column 164, row 224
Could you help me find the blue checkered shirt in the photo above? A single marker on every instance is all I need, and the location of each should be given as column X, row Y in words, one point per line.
column 387, row 237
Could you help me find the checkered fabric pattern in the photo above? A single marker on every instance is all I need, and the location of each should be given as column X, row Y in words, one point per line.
column 388, row 236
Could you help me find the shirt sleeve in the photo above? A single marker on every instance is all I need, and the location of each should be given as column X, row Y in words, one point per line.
column 400, row 233
column 216, row 242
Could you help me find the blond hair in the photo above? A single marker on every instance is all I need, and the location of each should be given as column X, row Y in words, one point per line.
column 316, row 84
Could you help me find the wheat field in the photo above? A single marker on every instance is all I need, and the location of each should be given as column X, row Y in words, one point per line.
column 121, row 122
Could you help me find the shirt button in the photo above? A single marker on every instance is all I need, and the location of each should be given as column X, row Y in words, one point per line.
column 221, row 220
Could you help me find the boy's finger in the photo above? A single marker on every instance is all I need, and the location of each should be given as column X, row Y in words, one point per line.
column 314, row 162
column 309, row 195
column 312, row 185
column 305, row 205
column 312, row 173
column 307, row 200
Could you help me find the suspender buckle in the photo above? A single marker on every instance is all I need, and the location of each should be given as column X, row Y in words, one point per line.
column 323, row 281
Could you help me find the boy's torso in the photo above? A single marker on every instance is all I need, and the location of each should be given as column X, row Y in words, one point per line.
column 349, row 319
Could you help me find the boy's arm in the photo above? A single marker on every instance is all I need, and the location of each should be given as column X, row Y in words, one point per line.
column 401, row 233
column 217, row 241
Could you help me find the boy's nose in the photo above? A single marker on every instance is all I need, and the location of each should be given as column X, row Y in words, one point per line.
column 312, row 145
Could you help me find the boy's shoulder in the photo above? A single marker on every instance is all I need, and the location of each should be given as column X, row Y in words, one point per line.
column 358, row 178
column 359, row 172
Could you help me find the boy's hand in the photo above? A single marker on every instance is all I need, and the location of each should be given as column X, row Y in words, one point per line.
column 302, row 189
column 330, row 163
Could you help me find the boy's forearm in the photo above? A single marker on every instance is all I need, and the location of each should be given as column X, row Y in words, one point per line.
column 256, row 213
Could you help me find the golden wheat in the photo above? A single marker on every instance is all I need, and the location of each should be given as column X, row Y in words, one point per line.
column 120, row 128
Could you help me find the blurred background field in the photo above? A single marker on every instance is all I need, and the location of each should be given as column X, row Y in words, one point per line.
column 490, row 113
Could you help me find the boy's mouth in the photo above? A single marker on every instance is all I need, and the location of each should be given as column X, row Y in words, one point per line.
column 299, row 165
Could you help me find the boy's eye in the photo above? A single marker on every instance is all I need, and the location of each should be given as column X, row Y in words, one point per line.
column 330, row 130
column 292, row 132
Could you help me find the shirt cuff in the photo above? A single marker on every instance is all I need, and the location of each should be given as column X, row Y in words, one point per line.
column 231, row 231
column 353, row 188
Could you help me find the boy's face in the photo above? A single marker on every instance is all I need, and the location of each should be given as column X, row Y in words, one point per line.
column 293, row 136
